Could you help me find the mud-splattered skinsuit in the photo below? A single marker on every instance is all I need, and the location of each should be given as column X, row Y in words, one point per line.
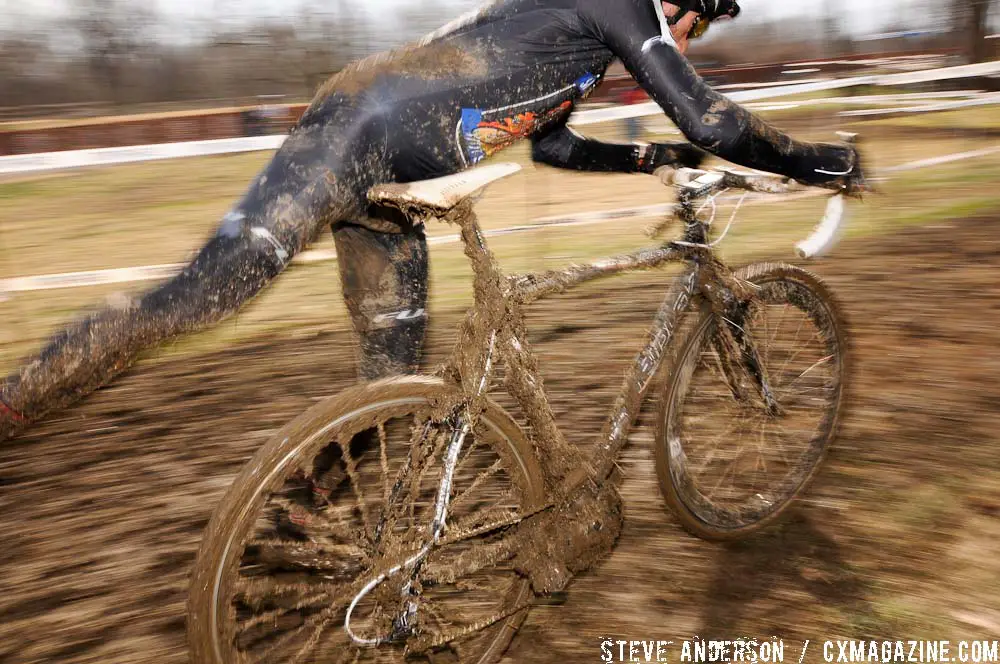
column 512, row 70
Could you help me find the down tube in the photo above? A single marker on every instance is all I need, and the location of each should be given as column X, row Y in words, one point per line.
column 644, row 367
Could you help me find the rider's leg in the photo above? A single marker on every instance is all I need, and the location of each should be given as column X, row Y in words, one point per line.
column 305, row 185
column 384, row 277
column 232, row 267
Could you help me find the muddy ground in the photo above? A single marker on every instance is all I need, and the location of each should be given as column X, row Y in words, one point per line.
column 101, row 509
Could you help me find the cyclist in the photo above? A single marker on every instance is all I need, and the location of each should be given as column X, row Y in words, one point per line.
column 511, row 70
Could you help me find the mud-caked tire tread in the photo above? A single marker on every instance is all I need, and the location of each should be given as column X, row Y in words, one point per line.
column 754, row 273
column 262, row 473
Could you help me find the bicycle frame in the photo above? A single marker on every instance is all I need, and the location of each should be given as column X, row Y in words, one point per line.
column 496, row 322
column 493, row 331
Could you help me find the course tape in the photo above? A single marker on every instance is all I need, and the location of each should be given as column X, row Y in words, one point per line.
column 941, row 74
column 984, row 100
column 49, row 161
column 157, row 272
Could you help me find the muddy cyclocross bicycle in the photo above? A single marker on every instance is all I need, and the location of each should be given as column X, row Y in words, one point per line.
column 414, row 519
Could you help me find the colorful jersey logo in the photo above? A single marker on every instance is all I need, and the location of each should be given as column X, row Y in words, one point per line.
column 483, row 133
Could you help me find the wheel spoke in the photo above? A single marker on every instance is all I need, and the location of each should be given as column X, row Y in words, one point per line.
column 310, row 545
column 823, row 360
column 273, row 615
column 468, row 562
column 352, row 474
column 383, row 458
column 713, row 449
column 427, row 463
column 481, row 523
column 317, row 623
column 779, row 446
column 777, row 328
column 478, row 482
column 460, row 466
column 308, row 555
column 313, row 523
column 738, row 461
column 394, row 508
column 255, row 592
column 789, row 360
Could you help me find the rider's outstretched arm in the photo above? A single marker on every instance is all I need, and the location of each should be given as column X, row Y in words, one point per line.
column 635, row 32
column 563, row 147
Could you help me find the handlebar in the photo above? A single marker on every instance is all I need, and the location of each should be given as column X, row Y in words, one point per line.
column 696, row 184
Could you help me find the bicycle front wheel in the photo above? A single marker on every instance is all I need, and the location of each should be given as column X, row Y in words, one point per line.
column 340, row 496
column 727, row 463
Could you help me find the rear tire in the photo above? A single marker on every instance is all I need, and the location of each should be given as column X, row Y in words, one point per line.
column 305, row 543
column 699, row 418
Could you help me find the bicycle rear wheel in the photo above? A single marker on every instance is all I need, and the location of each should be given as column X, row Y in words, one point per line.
column 340, row 495
column 727, row 464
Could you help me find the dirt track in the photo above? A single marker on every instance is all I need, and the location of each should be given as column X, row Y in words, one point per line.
column 101, row 509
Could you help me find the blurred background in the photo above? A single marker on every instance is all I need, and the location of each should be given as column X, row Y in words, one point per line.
column 108, row 54
column 102, row 506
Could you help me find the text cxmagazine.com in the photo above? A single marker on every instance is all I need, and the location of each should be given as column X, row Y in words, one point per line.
column 618, row 650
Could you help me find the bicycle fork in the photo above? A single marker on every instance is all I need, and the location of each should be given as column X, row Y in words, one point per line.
column 736, row 349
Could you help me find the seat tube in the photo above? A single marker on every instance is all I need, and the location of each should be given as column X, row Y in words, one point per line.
column 487, row 279
column 471, row 358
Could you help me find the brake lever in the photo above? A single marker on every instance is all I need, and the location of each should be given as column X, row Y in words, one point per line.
column 855, row 186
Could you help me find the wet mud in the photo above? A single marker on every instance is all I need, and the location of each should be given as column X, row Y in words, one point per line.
column 429, row 62
column 101, row 508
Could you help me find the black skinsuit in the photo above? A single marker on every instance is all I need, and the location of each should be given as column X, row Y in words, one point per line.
column 512, row 70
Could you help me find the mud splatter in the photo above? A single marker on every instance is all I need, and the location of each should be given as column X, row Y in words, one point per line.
column 103, row 507
column 436, row 60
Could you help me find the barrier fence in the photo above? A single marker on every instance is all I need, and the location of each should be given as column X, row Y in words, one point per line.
column 157, row 272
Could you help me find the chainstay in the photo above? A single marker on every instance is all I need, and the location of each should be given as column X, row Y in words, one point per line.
column 424, row 644
column 427, row 643
column 490, row 527
column 458, row 537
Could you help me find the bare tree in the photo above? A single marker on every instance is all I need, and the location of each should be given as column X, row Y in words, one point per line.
column 113, row 34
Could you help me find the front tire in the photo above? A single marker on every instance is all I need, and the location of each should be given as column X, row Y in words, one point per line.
column 709, row 435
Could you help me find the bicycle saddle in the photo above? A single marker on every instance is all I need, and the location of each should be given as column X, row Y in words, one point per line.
column 440, row 195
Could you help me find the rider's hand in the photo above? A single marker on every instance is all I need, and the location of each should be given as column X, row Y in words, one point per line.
column 854, row 182
column 674, row 155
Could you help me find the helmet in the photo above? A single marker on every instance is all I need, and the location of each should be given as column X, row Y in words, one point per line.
column 709, row 9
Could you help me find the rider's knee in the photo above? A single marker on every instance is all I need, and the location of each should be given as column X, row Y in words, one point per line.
column 240, row 232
